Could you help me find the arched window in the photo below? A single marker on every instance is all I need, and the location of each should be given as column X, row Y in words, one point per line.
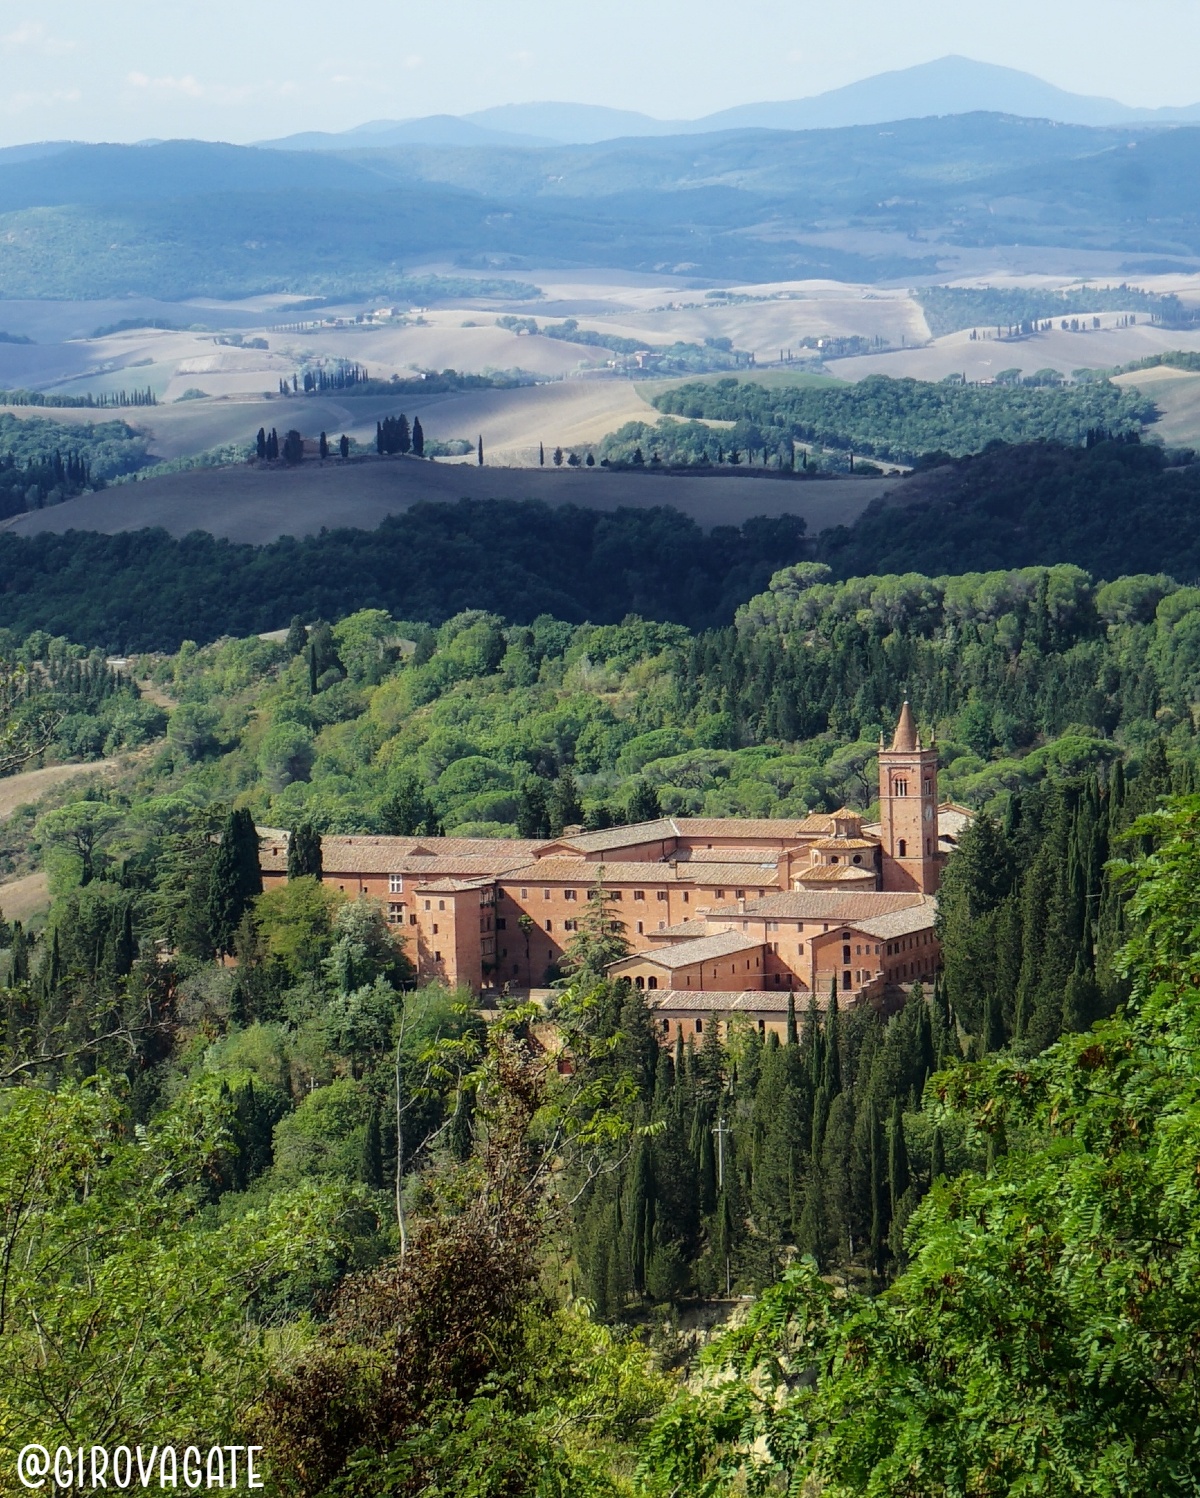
column 900, row 788
column 640, row 981
column 651, row 982
column 846, row 982
column 845, row 954
column 903, row 847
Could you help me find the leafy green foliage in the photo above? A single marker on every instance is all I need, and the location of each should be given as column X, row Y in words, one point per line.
column 1041, row 1339
column 901, row 419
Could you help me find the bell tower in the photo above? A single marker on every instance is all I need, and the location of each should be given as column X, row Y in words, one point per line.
column 908, row 800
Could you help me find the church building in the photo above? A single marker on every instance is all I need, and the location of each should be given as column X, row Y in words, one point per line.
column 722, row 914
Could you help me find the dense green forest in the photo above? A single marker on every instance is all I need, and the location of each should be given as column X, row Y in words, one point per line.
column 902, row 419
column 42, row 462
column 147, row 591
column 301, row 1203
column 1111, row 508
column 949, row 309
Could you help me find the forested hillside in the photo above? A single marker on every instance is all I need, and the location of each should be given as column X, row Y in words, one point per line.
column 300, row 1203
column 900, row 420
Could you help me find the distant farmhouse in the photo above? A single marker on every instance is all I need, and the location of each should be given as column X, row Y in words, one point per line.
column 723, row 915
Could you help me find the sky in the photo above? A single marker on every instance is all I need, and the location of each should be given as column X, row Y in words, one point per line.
column 244, row 70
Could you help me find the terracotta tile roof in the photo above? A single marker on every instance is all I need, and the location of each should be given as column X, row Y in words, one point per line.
column 836, row 873
column 722, row 1001
column 621, row 837
column 836, row 844
column 623, row 872
column 397, row 855
column 689, row 953
column 900, row 922
column 681, row 931
column 752, row 827
column 823, row 905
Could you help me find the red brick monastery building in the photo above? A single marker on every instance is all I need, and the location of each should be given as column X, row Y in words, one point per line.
column 723, row 915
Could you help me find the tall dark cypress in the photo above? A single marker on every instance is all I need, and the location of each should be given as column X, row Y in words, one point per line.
column 880, row 1217
column 235, row 878
column 304, row 852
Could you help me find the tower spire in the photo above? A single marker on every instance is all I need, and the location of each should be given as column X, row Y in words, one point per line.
column 906, row 733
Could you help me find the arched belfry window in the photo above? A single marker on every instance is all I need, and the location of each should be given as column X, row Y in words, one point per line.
column 900, row 787
column 903, row 849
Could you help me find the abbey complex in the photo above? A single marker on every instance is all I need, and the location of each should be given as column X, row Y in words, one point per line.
column 722, row 915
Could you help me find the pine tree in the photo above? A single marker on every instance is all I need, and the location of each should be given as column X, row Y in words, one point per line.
column 304, row 852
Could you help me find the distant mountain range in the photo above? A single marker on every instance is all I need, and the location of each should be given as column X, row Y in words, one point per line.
column 950, row 85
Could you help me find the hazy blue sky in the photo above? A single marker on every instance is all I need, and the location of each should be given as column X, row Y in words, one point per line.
column 244, row 69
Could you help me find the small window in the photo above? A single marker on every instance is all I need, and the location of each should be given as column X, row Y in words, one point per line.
column 549, row 925
column 846, row 982
column 435, row 929
column 858, row 858
column 903, row 846
column 666, row 1024
column 845, row 954
column 662, row 894
column 900, row 788
column 501, row 923
column 662, row 925
column 651, row 982
column 441, row 904
column 639, row 894
column 699, row 1026
column 614, row 894
column 524, row 894
column 395, row 884
column 570, row 925
column 929, row 787
column 685, row 897
column 739, row 894
column 568, row 894
column 545, row 894
column 412, row 920
column 640, row 928
column 437, row 957
column 640, row 981
column 428, row 904
column 720, row 894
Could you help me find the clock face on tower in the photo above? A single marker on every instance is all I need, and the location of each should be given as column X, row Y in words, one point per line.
column 929, row 813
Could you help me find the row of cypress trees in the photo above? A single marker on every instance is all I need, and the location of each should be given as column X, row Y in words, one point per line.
column 750, row 1150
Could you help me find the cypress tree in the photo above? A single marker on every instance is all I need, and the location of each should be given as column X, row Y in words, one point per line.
column 877, row 1235
column 297, row 636
column 791, row 1018
column 937, row 1155
column 832, row 1078
column 304, row 852
column 899, row 1176
column 479, row 453
column 418, row 438
column 235, row 878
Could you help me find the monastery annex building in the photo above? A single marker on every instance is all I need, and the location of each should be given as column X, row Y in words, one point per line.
column 723, row 915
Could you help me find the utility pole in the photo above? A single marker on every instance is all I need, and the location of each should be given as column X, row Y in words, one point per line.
column 720, row 1131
